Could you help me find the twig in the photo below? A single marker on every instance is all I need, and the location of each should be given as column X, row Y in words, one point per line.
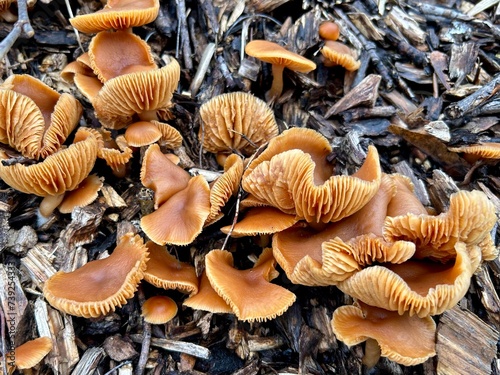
column 117, row 367
column 146, row 339
column 235, row 218
column 184, row 35
column 21, row 27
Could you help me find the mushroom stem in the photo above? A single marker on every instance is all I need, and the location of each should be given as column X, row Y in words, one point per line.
column 148, row 116
column 277, row 86
column 372, row 353
column 49, row 204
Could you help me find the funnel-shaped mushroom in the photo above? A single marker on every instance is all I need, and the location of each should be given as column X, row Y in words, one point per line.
column 117, row 15
column 250, row 293
column 408, row 340
column 35, row 119
column 236, row 121
column 207, row 298
column 280, row 58
column 100, row 286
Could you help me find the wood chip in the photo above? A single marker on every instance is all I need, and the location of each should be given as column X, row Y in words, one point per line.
column 89, row 362
column 176, row 346
column 112, row 198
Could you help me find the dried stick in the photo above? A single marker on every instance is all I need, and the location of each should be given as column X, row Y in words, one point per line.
column 183, row 33
column 146, row 340
column 21, row 28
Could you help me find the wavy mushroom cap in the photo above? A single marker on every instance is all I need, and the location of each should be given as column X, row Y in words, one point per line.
column 250, row 293
column 136, row 93
column 180, row 219
column 337, row 53
column 404, row 201
column 32, row 352
column 472, row 153
column 86, row 192
column 290, row 182
column 207, row 299
column 165, row 271
column 236, row 121
column 113, row 54
column 421, row 287
column 407, row 340
column 225, row 187
column 118, row 15
column 159, row 309
column 35, row 119
column 100, row 286
column 116, row 153
column 59, row 172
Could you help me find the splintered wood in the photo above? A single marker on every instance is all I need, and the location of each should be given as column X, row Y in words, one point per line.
column 465, row 344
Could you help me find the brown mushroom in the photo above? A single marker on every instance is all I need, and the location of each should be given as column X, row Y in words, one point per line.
column 115, row 152
column 159, row 309
column 207, row 299
column 329, row 30
column 5, row 12
column 250, row 293
column 473, row 153
column 117, row 15
column 407, row 340
column 337, row 53
column 28, row 355
column 280, row 58
column 100, row 286
column 83, row 195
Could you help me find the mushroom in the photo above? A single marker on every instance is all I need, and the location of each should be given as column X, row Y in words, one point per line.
column 329, row 30
column 83, row 195
column 207, row 299
column 5, row 12
column 405, row 339
column 337, row 53
column 28, row 355
column 117, row 15
column 250, row 293
column 115, row 152
column 473, row 153
column 165, row 271
column 279, row 58
column 159, row 309
column 100, row 286
column 236, row 122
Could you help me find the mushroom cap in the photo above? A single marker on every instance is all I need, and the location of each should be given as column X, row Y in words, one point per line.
column 35, row 119
column 420, row 287
column 329, row 30
column 32, row 352
column 124, row 96
column 275, row 54
column 113, row 54
column 207, row 299
column 171, row 138
column 159, row 309
column 224, row 187
column 236, row 121
column 472, row 153
column 115, row 152
column 407, row 340
column 142, row 133
column 250, row 293
column 165, row 271
column 181, row 218
column 404, row 201
column 289, row 182
column 117, row 15
column 83, row 195
column 339, row 54
column 59, row 172
column 100, row 286
column 5, row 4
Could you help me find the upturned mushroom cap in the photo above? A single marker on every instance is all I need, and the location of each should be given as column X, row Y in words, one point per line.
column 407, row 340
column 86, row 192
column 236, row 121
column 100, row 286
column 250, row 293
column 117, row 15
column 35, row 119
column 32, row 352
column 113, row 54
column 291, row 183
column 159, row 309
column 421, row 287
column 181, row 218
column 207, row 299
column 473, row 153
column 60, row 172
column 337, row 53
column 135, row 93
column 165, row 271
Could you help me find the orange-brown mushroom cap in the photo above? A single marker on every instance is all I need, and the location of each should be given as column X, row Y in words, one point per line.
column 250, row 293
column 100, row 286
column 475, row 152
column 117, row 15
column 142, row 133
column 116, row 153
column 165, row 271
column 207, row 299
column 337, row 53
column 329, row 30
column 83, row 195
column 236, row 121
column 159, row 309
column 181, row 218
column 32, row 352
column 407, row 340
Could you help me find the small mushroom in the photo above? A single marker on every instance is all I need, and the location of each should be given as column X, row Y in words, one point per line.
column 280, row 58
column 159, row 309
column 100, row 286
column 337, row 53
column 473, row 153
column 329, row 30
column 83, row 195
column 405, row 339
column 250, row 293
column 28, row 355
